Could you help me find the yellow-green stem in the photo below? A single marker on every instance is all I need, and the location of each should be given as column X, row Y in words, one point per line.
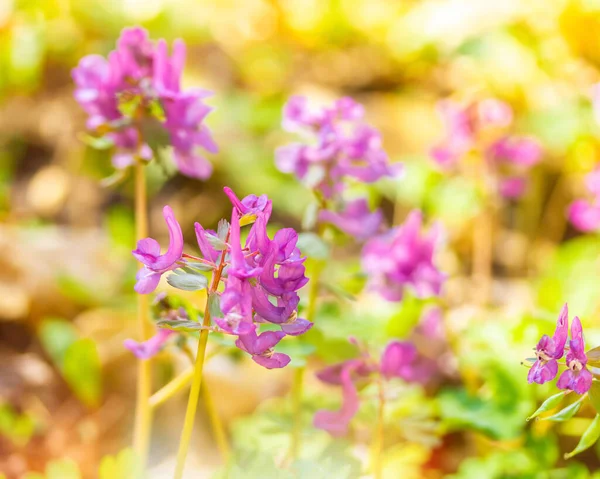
column 379, row 436
column 143, row 413
column 216, row 424
column 298, row 384
column 171, row 388
column 192, row 406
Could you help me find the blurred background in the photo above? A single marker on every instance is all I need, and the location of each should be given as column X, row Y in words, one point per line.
column 66, row 272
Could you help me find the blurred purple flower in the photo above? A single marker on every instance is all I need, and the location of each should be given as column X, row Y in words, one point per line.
column 341, row 146
column 356, row 219
column 138, row 68
column 397, row 360
column 403, row 257
column 155, row 264
column 583, row 213
column 577, row 377
column 549, row 350
column 151, row 347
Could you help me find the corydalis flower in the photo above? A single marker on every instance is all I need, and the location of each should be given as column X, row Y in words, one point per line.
column 577, row 377
column 549, row 350
column 151, row 347
column 585, row 214
column 398, row 360
column 155, row 264
column 355, row 219
column 341, row 146
column 403, row 257
column 143, row 74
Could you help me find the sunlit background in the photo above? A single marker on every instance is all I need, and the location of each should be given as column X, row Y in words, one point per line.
column 66, row 272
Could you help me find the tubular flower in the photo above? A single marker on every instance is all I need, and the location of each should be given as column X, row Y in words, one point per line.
column 398, row 360
column 403, row 257
column 549, row 350
column 355, row 220
column 155, row 264
column 261, row 276
column 577, row 377
column 139, row 81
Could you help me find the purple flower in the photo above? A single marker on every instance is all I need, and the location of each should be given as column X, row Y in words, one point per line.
column 336, row 422
column 512, row 187
column 236, row 305
column 251, row 205
column 151, row 347
column 585, row 214
column 238, row 266
column 577, row 377
column 459, row 134
column 549, row 350
column 397, row 360
column 516, row 150
column 494, row 113
column 342, row 146
column 260, row 347
column 355, row 219
column 155, row 264
column 140, row 69
column 403, row 257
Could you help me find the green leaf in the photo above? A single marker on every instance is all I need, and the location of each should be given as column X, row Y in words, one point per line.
column 566, row 413
column 128, row 104
column 216, row 242
column 97, row 142
column 198, row 266
column 222, row 230
column 548, row 404
column 187, row 281
column 81, row 370
column 214, row 305
column 181, row 325
column 588, row 439
column 56, row 335
column 62, row 469
column 311, row 245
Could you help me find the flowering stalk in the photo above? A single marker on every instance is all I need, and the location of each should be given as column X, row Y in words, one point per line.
column 217, row 424
column 190, row 413
column 379, row 437
column 143, row 417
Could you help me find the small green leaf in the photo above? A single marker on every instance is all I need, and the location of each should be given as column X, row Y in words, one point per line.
column 198, row 266
column 588, row 439
column 311, row 245
column 181, row 325
column 187, row 281
column 128, row 104
column 56, row 335
column 214, row 305
column 63, row 469
column 123, row 466
column 223, row 229
column 216, row 242
column 566, row 413
column 548, row 404
column 81, row 370
column 97, row 142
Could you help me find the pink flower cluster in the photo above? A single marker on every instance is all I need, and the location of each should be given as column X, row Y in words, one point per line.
column 549, row 350
column 402, row 257
column 261, row 276
column 142, row 72
column 339, row 147
column 481, row 126
column 399, row 360
column 584, row 213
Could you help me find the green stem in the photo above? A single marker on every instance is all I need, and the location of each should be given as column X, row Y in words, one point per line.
column 143, row 415
column 217, row 425
column 192, row 406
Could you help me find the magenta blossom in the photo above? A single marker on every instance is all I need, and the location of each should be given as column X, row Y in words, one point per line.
column 577, row 377
column 585, row 214
column 142, row 73
column 549, row 350
column 342, row 146
column 403, row 257
column 260, row 347
column 151, row 347
column 155, row 264
column 355, row 219
column 398, row 360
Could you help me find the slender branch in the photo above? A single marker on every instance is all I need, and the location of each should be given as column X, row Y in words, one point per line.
column 143, row 416
column 171, row 388
column 192, row 406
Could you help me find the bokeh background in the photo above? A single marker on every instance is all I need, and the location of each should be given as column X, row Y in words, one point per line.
column 66, row 273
